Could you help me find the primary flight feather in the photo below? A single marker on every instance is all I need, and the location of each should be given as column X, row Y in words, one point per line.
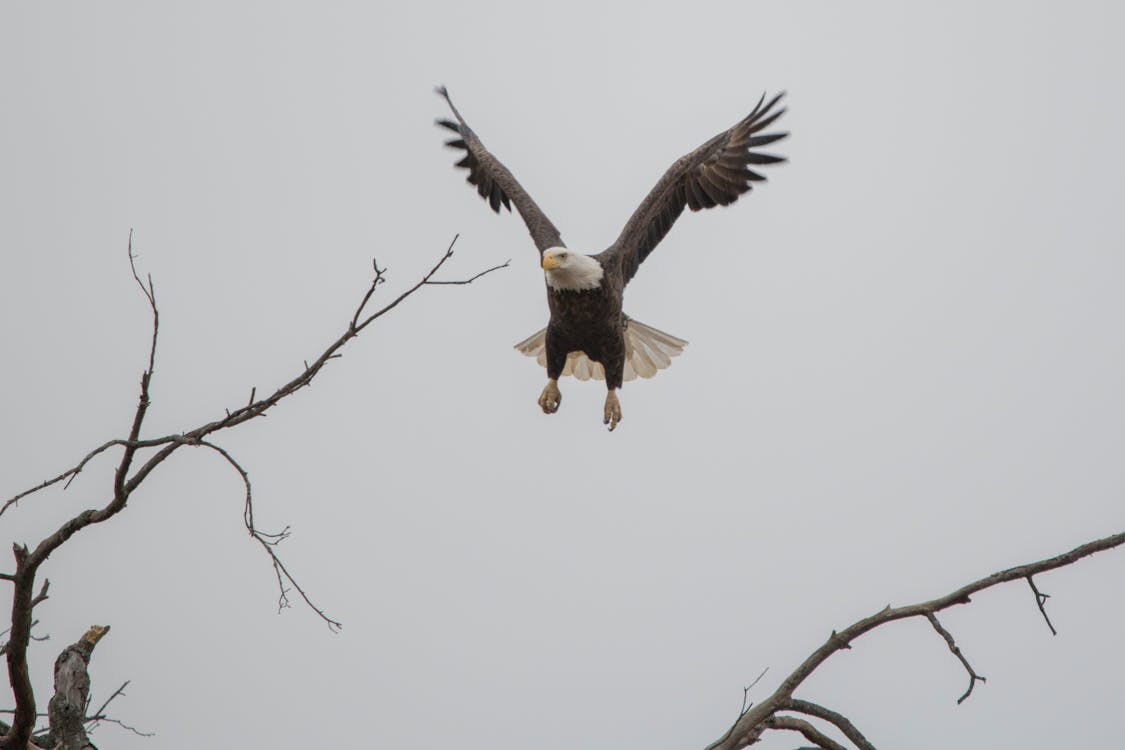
column 588, row 335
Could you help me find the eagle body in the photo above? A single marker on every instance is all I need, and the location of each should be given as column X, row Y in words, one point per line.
column 588, row 334
column 590, row 321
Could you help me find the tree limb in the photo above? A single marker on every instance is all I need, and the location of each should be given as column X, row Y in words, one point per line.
column 956, row 650
column 750, row 725
column 125, row 483
column 812, row 734
column 842, row 723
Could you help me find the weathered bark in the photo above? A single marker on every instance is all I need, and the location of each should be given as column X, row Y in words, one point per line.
column 66, row 711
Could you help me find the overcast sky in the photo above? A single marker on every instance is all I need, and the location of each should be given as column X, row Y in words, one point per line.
column 905, row 368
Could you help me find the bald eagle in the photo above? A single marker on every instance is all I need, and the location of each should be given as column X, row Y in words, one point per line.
column 588, row 334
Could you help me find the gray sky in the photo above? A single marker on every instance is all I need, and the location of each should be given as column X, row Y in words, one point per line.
column 904, row 373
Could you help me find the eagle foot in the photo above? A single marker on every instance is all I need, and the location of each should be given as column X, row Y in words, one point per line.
column 612, row 410
column 551, row 397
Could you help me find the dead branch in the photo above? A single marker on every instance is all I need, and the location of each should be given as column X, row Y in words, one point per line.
column 128, row 477
column 99, row 716
column 956, row 650
column 812, row 734
column 1041, row 601
column 839, row 720
column 751, row 724
column 100, row 713
column 66, row 711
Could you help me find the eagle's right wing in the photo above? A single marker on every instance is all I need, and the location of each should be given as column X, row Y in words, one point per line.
column 715, row 174
column 495, row 183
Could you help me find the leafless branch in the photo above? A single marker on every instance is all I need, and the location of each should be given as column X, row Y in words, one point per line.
column 99, row 716
column 118, row 722
column 127, row 478
column 746, row 703
column 150, row 294
column 839, row 720
column 69, row 475
column 42, row 595
column 100, row 713
column 471, row 279
column 269, row 541
column 749, row 727
column 812, row 734
column 956, row 650
column 1041, row 601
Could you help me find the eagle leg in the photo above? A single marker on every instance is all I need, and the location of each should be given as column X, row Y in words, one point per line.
column 551, row 397
column 612, row 410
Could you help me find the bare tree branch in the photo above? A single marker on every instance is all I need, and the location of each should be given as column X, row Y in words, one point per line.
column 749, row 727
column 839, row 720
column 1041, row 601
column 120, row 723
column 812, row 734
column 99, row 715
column 95, row 719
column 956, row 650
column 128, row 478
column 256, row 408
column 471, row 279
column 69, row 475
column 269, row 541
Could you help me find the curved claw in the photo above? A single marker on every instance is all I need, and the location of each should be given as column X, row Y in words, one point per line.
column 550, row 398
column 612, row 410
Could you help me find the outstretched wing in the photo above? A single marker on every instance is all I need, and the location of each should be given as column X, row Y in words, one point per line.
column 495, row 183
column 714, row 174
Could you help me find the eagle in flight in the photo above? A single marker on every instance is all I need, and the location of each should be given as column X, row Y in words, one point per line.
column 588, row 334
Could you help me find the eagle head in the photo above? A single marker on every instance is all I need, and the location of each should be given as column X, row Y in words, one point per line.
column 571, row 271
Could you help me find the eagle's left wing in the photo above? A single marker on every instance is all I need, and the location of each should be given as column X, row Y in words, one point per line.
column 495, row 183
column 715, row 174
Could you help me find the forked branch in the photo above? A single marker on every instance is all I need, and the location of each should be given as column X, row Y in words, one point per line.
column 750, row 725
column 128, row 477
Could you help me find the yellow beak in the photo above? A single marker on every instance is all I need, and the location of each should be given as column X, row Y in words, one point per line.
column 550, row 262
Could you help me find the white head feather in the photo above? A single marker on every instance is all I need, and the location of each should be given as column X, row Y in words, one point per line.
column 571, row 271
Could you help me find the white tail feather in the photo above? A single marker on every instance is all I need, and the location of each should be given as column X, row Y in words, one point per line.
column 647, row 351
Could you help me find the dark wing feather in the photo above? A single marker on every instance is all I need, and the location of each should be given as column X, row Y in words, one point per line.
column 715, row 174
column 495, row 183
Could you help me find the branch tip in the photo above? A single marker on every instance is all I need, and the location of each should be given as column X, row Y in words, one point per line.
column 1041, row 601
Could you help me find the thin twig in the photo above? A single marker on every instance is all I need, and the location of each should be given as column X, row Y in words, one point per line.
column 1041, row 601
column 69, row 475
column 471, row 279
column 99, row 716
column 746, row 692
column 117, row 692
column 956, row 650
column 118, row 722
column 268, row 541
column 42, row 595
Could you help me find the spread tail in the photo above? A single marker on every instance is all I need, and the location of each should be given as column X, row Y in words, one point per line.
column 647, row 350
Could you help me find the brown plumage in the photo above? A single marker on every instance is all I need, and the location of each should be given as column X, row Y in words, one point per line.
column 585, row 300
